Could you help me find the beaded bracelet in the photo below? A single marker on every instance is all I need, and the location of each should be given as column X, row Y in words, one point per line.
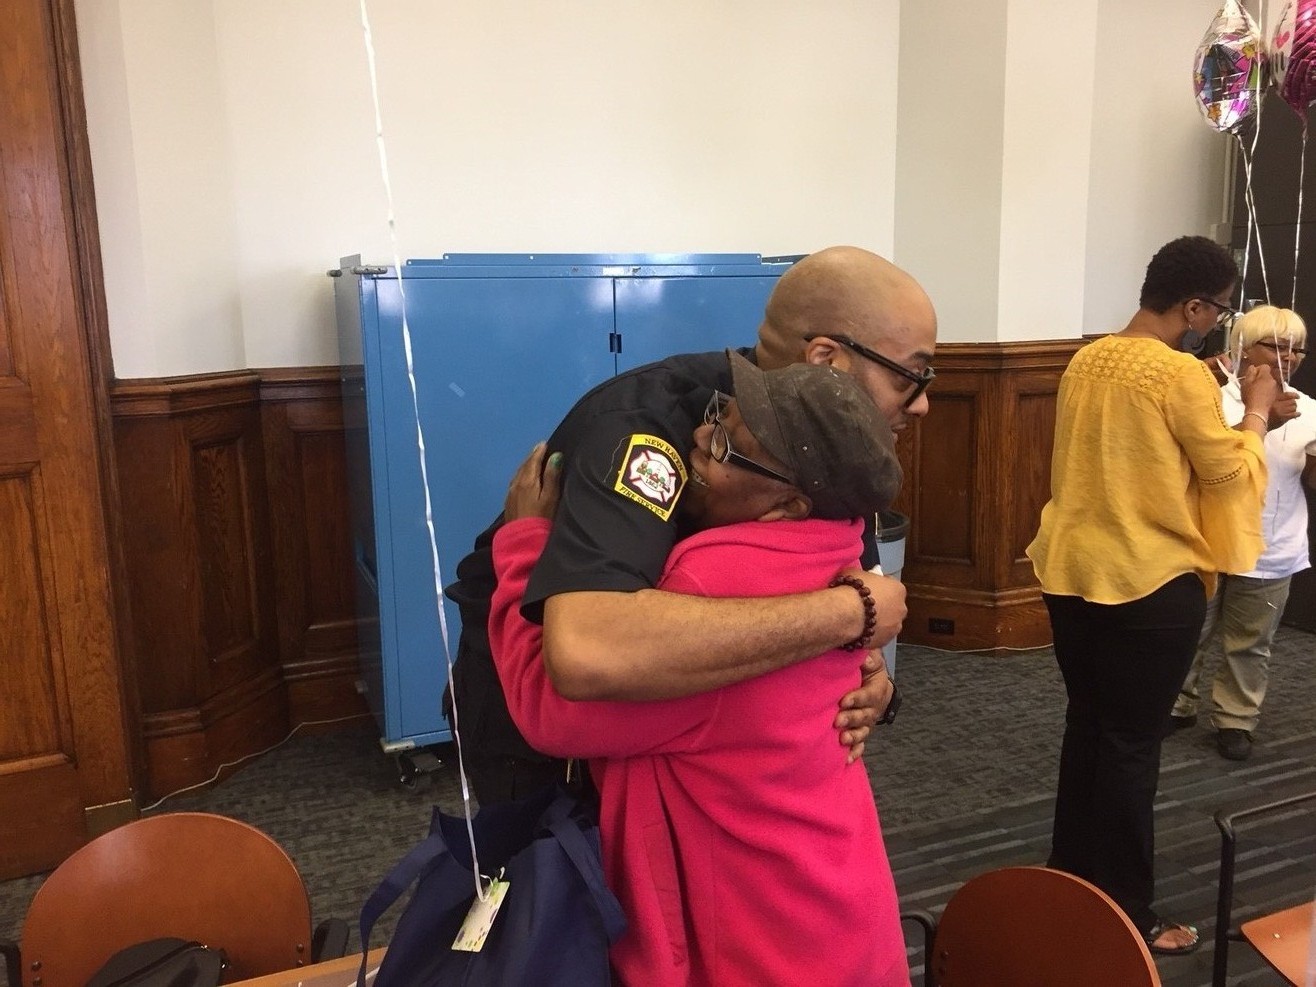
column 870, row 610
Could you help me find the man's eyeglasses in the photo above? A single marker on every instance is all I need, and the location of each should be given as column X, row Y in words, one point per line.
column 1298, row 351
column 920, row 381
column 719, row 446
column 1225, row 315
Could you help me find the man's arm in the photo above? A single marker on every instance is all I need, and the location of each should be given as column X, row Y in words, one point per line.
column 651, row 644
column 550, row 723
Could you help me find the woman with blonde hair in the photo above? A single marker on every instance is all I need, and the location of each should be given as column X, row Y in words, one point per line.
column 1247, row 606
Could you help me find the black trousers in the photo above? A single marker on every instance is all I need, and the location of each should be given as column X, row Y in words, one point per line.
column 1123, row 665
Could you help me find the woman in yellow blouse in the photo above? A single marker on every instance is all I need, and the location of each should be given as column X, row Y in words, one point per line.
column 1152, row 494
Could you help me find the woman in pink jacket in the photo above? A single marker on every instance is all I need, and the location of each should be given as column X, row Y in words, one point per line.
column 742, row 843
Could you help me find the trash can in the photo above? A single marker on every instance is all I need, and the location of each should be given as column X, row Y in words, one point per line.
column 892, row 527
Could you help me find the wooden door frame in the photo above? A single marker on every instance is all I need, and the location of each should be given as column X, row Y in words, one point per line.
column 90, row 288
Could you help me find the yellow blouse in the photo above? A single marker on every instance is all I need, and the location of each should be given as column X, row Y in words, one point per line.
column 1147, row 480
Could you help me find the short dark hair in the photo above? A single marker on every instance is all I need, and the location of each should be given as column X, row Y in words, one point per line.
column 1186, row 268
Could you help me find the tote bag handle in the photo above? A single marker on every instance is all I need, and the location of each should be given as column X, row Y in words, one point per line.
column 567, row 831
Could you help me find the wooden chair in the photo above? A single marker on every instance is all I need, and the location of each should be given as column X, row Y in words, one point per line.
column 188, row 874
column 1035, row 927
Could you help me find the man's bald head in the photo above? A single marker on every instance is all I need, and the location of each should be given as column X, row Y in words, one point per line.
column 845, row 290
column 853, row 293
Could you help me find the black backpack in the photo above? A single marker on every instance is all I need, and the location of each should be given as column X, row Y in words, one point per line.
column 166, row 962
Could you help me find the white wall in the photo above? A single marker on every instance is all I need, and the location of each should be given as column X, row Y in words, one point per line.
column 235, row 160
column 165, row 194
column 1158, row 169
column 1044, row 152
column 1022, row 162
column 1050, row 89
column 949, row 159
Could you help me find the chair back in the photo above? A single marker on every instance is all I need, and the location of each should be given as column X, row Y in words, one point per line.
column 187, row 874
column 1036, row 927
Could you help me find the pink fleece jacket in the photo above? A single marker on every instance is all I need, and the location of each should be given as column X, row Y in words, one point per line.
column 741, row 845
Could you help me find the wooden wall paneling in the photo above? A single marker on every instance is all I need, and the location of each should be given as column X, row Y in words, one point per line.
column 978, row 475
column 943, row 546
column 226, row 460
column 1029, row 441
column 200, row 573
column 241, row 564
column 302, row 418
column 35, row 731
column 91, row 298
column 65, row 770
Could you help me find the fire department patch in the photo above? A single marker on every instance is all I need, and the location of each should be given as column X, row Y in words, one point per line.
column 652, row 474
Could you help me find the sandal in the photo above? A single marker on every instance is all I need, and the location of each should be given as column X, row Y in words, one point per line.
column 1160, row 928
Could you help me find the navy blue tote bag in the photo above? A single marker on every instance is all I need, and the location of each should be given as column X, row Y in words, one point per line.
column 554, row 926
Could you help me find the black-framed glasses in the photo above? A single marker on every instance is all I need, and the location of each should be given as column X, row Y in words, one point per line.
column 719, row 445
column 1298, row 351
column 1225, row 315
column 920, row 381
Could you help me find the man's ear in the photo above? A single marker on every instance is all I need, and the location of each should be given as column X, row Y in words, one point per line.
column 792, row 506
column 824, row 352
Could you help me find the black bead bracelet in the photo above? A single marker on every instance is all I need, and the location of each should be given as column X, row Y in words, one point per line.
column 870, row 610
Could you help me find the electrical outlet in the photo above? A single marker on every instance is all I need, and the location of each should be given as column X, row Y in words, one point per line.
column 941, row 625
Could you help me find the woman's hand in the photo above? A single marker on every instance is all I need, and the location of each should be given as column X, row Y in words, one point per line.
column 1220, row 366
column 1284, row 409
column 1260, row 387
column 536, row 487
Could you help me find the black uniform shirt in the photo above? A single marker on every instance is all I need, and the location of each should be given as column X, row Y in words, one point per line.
column 627, row 447
column 614, row 526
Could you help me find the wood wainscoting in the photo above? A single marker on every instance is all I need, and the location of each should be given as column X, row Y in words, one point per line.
column 977, row 474
column 233, row 493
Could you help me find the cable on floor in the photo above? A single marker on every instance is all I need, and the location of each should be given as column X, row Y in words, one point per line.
column 233, row 764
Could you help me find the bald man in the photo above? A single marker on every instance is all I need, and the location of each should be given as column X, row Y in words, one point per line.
column 608, row 633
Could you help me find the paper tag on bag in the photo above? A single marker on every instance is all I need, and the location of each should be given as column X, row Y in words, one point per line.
column 479, row 920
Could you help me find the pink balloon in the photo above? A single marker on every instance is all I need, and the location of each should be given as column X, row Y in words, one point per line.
column 1293, row 55
column 1230, row 68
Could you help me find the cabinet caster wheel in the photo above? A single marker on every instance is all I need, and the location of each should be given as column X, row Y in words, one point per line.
column 407, row 771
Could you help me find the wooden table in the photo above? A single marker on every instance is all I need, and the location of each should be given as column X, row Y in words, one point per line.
column 1284, row 940
column 331, row 973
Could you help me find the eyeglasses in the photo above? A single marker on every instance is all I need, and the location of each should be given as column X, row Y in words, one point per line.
column 1298, row 351
column 920, row 381
column 1225, row 315
column 719, row 446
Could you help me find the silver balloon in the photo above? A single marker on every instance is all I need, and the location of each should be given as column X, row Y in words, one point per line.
column 1229, row 72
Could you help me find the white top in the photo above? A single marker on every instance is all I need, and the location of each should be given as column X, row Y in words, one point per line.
column 1284, row 516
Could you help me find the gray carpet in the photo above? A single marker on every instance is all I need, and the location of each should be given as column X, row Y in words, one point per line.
column 964, row 782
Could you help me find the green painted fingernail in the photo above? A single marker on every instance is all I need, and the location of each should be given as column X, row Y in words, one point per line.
column 555, row 460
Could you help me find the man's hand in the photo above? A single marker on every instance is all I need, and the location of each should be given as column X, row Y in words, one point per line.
column 862, row 708
column 536, row 487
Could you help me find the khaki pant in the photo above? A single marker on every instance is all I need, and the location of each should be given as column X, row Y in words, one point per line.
column 1246, row 612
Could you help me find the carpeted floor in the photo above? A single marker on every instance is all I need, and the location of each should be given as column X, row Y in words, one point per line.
column 964, row 782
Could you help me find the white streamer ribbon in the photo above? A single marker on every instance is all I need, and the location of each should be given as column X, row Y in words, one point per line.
column 420, row 441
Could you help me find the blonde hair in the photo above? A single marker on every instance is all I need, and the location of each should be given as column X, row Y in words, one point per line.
column 1267, row 322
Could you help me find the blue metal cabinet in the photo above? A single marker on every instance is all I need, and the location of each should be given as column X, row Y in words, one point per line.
column 502, row 346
